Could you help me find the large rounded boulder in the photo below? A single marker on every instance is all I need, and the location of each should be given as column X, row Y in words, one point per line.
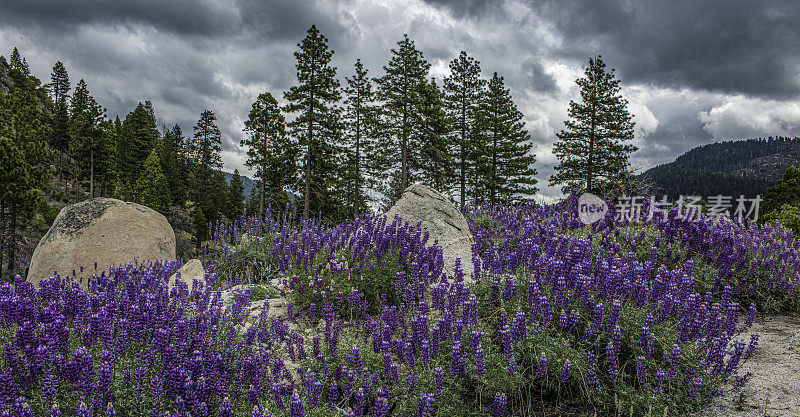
column 443, row 221
column 93, row 235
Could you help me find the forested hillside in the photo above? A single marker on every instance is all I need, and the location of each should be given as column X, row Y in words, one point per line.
column 733, row 168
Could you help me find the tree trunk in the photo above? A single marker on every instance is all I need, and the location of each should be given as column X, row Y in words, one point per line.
column 358, row 160
column 12, row 235
column 261, row 198
column 2, row 236
column 91, row 173
column 463, row 154
column 306, row 197
column 494, row 164
column 404, row 152
column 76, row 185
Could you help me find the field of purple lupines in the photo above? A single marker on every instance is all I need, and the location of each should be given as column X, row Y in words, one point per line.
column 562, row 318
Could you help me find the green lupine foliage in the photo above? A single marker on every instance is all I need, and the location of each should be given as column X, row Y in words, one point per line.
column 594, row 148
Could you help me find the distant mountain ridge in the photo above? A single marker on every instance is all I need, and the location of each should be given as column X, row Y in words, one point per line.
column 729, row 168
column 248, row 182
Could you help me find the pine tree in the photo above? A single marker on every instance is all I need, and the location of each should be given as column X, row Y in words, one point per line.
column 152, row 188
column 235, row 203
column 209, row 186
column 86, row 118
column 359, row 122
column 399, row 89
column 463, row 91
column 59, row 82
column 173, row 164
column 785, row 191
column 594, row 148
column 59, row 89
column 270, row 152
column 15, row 193
column 206, row 145
column 139, row 136
column 23, row 121
column 316, row 126
column 503, row 161
column 432, row 161
column 18, row 63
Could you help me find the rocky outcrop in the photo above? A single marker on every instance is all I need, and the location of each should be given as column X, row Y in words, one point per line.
column 93, row 235
column 188, row 273
column 444, row 222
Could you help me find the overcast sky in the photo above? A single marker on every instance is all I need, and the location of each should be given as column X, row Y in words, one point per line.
column 694, row 71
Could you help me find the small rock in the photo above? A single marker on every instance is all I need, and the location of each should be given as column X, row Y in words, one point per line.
column 188, row 273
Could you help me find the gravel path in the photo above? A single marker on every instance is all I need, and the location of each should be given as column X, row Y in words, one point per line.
column 774, row 388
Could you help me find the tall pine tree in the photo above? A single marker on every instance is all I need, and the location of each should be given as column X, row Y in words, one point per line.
column 594, row 148
column 359, row 122
column 235, row 204
column 504, row 164
column 86, row 135
column 399, row 90
column 173, row 164
column 59, row 90
column 316, row 126
column 25, row 126
column 270, row 151
column 152, row 188
column 463, row 91
column 205, row 148
column 15, row 191
column 139, row 136
column 432, row 162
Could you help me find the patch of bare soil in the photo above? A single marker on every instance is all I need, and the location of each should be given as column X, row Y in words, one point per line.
column 774, row 387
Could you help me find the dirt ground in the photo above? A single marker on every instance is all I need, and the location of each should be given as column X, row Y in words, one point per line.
column 774, row 388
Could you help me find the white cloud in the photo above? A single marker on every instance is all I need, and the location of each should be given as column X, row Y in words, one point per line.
column 741, row 117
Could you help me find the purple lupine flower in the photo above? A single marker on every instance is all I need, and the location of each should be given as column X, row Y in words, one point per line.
column 565, row 370
column 110, row 411
column 226, row 408
column 641, row 369
column 425, row 405
column 411, row 382
column 674, row 361
column 55, row 411
column 296, row 408
column 541, row 366
column 499, row 405
column 512, row 366
column 505, row 340
column 751, row 348
column 480, row 361
column 660, row 378
column 83, row 410
column 457, row 360
column 438, row 377
column 381, row 408
column 591, row 368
